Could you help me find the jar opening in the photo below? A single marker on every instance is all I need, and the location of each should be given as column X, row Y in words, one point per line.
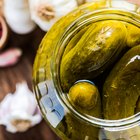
column 99, row 15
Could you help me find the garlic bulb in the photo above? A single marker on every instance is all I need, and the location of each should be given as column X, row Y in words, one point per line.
column 17, row 15
column 46, row 12
column 18, row 111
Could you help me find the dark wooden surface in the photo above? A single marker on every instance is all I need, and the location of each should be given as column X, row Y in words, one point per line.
column 9, row 76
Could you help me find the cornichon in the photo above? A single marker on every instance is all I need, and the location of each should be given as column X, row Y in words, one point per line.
column 96, row 49
column 85, row 97
column 122, row 87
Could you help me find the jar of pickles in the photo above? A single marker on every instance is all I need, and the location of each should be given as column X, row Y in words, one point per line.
column 86, row 74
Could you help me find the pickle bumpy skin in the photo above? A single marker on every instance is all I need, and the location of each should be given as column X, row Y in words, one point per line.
column 122, row 87
column 97, row 48
column 133, row 35
column 85, row 97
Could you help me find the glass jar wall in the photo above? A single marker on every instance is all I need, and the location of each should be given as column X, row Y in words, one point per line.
column 62, row 116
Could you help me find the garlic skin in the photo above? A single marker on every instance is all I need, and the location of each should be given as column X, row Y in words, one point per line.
column 18, row 17
column 18, row 111
column 10, row 57
column 46, row 12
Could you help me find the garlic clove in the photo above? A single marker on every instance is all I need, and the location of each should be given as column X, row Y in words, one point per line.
column 4, row 106
column 24, row 99
column 17, row 15
column 46, row 12
column 10, row 57
column 16, row 122
column 18, row 111
column 21, row 121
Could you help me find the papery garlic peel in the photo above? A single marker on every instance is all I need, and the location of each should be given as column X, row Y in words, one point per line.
column 10, row 57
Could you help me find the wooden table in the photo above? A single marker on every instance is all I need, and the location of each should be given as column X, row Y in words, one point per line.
column 23, row 71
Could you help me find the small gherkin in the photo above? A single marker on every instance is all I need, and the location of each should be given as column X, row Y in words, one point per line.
column 85, row 97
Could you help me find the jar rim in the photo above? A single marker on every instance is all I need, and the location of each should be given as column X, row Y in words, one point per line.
column 97, row 15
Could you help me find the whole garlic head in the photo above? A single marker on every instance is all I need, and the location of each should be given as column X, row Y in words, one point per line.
column 46, row 12
column 18, row 111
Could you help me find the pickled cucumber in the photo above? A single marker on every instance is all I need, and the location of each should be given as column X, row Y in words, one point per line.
column 45, row 51
column 133, row 35
column 122, row 87
column 85, row 97
column 75, row 40
column 97, row 48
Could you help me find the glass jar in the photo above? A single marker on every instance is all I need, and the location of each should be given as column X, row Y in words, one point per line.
column 57, row 110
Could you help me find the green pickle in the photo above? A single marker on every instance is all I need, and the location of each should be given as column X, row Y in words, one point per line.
column 133, row 35
column 85, row 97
column 96, row 49
column 74, row 40
column 54, row 34
column 122, row 87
